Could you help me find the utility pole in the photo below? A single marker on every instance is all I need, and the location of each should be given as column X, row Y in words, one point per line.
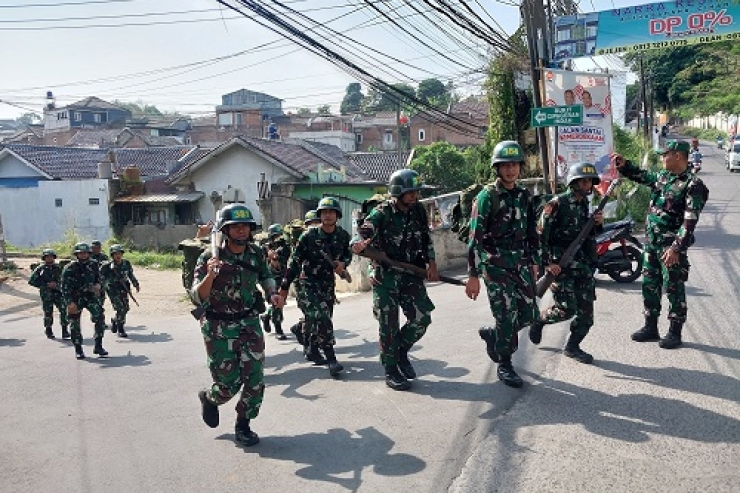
column 643, row 96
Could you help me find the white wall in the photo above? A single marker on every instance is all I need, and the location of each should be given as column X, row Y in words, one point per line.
column 12, row 167
column 344, row 140
column 31, row 218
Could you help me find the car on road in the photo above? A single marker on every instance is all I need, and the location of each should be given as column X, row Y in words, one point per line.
column 732, row 158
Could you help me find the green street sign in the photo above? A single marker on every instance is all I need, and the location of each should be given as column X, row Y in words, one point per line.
column 556, row 116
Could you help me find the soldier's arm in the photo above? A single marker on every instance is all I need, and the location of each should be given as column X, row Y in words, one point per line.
column 35, row 279
column 544, row 227
column 695, row 200
column 265, row 278
column 533, row 237
column 295, row 261
column 67, row 282
column 131, row 276
column 431, row 255
column 346, row 255
column 200, row 273
column 478, row 214
column 637, row 174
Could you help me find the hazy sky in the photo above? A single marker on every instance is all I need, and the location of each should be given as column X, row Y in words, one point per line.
column 54, row 46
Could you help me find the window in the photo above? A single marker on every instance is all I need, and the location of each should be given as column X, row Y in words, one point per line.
column 77, row 116
column 98, row 118
column 422, row 135
column 58, row 202
column 358, row 138
column 224, row 119
column 388, row 137
column 239, row 117
column 93, row 201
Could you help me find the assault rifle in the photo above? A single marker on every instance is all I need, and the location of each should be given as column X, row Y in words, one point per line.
column 544, row 282
column 381, row 257
column 216, row 239
column 345, row 273
column 127, row 288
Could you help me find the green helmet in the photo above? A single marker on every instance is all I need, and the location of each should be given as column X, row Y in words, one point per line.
column 96, row 243
column 82, row 248
column 116, row 248
column 507, row 151
column 235, row 214
column 402, row 181
column 274, row 230
column 582, row 170
column 329, row 204
column 310, row 217
column 48, row 251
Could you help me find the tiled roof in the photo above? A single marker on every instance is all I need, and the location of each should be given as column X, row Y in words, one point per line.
column 473, row 107
column 94, row 138
column 95, row 102
column 162, row 197
column 189, row 158
column 379, row 165
column 152, row 161
column 335, row 156
column 63, row 163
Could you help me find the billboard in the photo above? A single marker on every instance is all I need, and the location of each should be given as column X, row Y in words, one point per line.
column 592, row 141
column 643, row 27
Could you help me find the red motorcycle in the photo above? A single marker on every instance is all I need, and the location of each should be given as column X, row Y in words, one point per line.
column 619, row 252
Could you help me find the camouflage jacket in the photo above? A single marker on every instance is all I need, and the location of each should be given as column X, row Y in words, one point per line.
column 46, row 273
column 403, row 236
column 78, row 279
column 308, row 258
column 116, row 277
column 675, row 204
column 281, row 249
column 507, row 239
column 234, row 289
column 99, row 257
column 561, row 222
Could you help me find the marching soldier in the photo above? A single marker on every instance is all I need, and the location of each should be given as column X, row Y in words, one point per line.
column 278, row 253
column 400, row 228
column 47, row 277
column 225, row 287
column 321, row 252
column 503, row 234
column 97, row 255
column 574, row 288
column 118, row 276
column 81, row 289
column 310, row 220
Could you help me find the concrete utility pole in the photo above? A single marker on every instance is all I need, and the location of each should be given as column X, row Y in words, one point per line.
column 643, row 96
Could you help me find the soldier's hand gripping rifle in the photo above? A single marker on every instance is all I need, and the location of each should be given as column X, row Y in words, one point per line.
column 381, row 257
column 544, row 282
column 216, row 240
column 345, row 273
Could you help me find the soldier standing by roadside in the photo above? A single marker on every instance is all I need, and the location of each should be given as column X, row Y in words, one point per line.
column 676, row 201
column 116, row 275
column 574, row 288
column 277, row 252
column 310, row 220
column 47, row 277
column 321, row 252
column 503, row 234
column 226, row 289
column 400, row 228
column 81, row 289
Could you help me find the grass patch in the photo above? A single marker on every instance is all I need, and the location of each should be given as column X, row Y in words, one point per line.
column 8, row 268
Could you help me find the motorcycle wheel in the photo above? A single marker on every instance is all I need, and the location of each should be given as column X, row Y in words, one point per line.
column 629, row 275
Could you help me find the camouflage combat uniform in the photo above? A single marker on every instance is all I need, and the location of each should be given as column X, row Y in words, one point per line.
column 506, row 243
column 234, row 341
column 281, row 248
column 116, row 279
column 78, row 279
column 675, row 204
column 101, row 259
column 50, row 297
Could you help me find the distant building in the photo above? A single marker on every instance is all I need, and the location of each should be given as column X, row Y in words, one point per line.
column 238, row 108
column 91, row 112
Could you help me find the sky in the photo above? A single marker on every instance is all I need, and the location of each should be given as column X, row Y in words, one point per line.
column 182, row 55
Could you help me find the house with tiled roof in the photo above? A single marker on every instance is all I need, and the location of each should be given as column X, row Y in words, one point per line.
column 464, row 124
column 380, row 166
column 91, row 112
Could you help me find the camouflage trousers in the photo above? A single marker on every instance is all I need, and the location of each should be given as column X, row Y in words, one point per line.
column 120, row 303
column 97, row 315
column 656, row 277
column 275, row 314
column 393, row 291
column 50, row 299
column 574, row 291
column 236, row 358
column 513, row 305
column 317, row 305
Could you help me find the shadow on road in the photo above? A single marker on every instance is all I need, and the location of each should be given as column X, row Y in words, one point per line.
column 338, row 456
column 161, row 337
column 719, row 351
column 113, row 361
column 12, row 342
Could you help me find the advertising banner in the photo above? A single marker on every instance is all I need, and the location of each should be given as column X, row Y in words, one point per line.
column 643, row 27
column 591, row 142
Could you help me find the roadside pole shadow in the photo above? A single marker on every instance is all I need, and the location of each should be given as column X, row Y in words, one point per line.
column 114, row 361
column 719, row 351
column 20, row 308
column 338, row 456
column 12, row 342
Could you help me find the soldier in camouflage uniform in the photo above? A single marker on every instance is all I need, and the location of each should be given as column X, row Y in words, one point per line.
column 277, row 252
column 321, row 252
column 574, row 288
column 47, row 277
column 225, row 287
column 400, row 228
column 677, row 199
column 97, row 255
column 310, row 220
column 116, row 275
column 81, row 289
column 503, row 235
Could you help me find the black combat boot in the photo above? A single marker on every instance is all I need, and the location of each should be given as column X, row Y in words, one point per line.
column 79, row 354
column 335, row 368
column 65, row 333
column 113, row 325
column 506, row 373
column 404, row 365
column 208, row 410
column 486, row 333
column 279, row 334
column 573, row 350
column 395, row 380
column 648, row 332
column 49, row 333
column 535, row 331
column 243, row 434
column 673, row 338
column 122, row 331
column 297, row 330
column 99, row 348
column 312, row 353
column 266, row 323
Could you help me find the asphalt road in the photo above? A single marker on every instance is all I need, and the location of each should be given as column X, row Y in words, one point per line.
column 639, row 419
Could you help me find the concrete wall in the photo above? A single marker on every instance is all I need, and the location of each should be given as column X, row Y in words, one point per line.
column 150, row 236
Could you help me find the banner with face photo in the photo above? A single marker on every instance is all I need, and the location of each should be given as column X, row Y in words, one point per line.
column 591, row 142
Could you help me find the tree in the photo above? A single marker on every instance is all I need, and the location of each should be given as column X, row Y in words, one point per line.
column 434, row 92
column 324, row 110
column 303, row 111
column 352, row 102
column 28, row 119
column 140, row 109
column 388, row 100
column 443, row 166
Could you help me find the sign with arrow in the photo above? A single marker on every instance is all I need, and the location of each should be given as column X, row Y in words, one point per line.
column 557, row 116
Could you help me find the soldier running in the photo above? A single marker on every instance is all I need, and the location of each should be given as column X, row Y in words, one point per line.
column 277, row 251
column 310, row 220
column 118, row 276
column 47, row 277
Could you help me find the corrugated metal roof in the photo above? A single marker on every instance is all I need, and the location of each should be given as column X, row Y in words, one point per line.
column 161, row 198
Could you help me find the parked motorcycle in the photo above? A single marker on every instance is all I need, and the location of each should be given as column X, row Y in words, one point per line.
column 619, row 252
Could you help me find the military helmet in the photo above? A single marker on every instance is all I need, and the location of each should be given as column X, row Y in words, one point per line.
column 96, row 243
column 116, row 248
column 402, row 181
column 48, row 251
column 274, row 230
column 582, row 170
column 329, row 204
column 507, row 151
column 235, row 214
column 82, row 248
column 310, row 217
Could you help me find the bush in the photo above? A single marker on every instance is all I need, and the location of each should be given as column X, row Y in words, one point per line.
column 633, row 199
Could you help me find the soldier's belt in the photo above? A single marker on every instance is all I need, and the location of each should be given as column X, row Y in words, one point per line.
column 230, row 317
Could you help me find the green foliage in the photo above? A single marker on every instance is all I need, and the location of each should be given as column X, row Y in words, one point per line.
column 303, row 111
column 443, row 166
column 352, row 102
column 434, row 92
column 140, row 108
column 703, row 133
column 633, row 199
column 9, row 267
column 389, row 100
column 500, row 90
column 324, row 110
column 28, row 119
